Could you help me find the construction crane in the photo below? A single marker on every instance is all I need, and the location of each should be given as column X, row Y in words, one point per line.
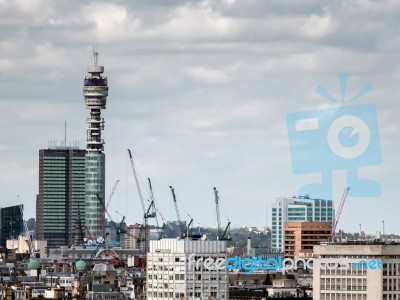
column 120, row 230
column 161, row 215
column 137, row 182
column 114, row 224
column 188, row 228
column 105, row 207
column 340, row 209
column 112, row 193
column 150, row 212
column 222, row 236
column 154, row 211
column 32, row 251
column 181, row 225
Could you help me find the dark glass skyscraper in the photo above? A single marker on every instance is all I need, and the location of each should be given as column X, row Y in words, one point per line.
column 61, row 197
column 11, row 224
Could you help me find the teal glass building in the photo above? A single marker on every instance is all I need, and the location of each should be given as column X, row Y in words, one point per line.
column 297, row 209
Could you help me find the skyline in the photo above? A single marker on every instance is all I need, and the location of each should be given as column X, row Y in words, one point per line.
column 199, row 91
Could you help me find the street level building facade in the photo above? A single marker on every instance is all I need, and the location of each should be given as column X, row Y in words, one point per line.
column 95, row 92
column 61, row 197
column 172, row 272
column 301, row 237
column 302, row 208
column 374, row 275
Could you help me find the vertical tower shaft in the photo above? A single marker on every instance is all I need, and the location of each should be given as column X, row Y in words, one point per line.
column 95, row 92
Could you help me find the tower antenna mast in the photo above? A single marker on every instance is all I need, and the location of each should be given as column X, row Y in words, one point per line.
column 95, row 54
column 95, row 92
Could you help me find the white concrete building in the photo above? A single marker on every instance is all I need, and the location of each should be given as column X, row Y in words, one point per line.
column 20, row 245
column 177, row 269
column 375, row 274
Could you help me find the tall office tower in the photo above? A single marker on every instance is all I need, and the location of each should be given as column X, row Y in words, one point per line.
column 95, row 91
column 367, row 270
column 61, row 197
column 11, row 224
column 297, row 209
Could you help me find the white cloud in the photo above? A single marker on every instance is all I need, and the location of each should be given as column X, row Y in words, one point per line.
column 317, row 26
column 206, row 75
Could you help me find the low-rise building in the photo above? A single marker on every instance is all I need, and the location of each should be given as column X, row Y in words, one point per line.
column 21, row 245
column 184, row 268
column 367, row 270
column 300, row 237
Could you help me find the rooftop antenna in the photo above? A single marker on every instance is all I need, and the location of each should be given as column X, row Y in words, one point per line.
column 95, row 54
column 65, row 133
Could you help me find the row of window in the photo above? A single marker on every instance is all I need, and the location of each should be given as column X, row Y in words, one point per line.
column 349, row 272
column 170, row 295
column 190, row 277
column 343, row 296
column 189, row 286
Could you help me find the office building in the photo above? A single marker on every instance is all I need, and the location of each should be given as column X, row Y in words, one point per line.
column 95, row 92
column 61, row 197
column 172, row 272
column 133, row 236
column 300, row 237
column 298, row 209
column 372, row 272
column 11, row 224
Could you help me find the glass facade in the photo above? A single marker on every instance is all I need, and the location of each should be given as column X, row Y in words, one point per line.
column 61, row 195
column 11, row 224
column 94, row 181
column 298, row 209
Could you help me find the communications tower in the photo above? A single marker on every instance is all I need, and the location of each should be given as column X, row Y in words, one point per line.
column 95, row 92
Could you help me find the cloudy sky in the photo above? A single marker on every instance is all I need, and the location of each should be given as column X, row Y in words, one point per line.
column 199, row 91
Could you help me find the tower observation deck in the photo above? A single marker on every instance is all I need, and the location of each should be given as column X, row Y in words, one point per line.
column 95, row 92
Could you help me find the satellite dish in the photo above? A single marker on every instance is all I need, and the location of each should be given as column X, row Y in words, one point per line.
column 100, row 240
column 89, row 242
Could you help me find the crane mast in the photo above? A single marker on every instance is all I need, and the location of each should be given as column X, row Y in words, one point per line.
column 112, row 193
column 120, row 230
column 340, row 209
column 225, row 236
column 181, row 229
column 217, row 210
column 137, row 182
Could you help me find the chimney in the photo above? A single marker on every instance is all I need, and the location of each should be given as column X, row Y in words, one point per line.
column 249, row 246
